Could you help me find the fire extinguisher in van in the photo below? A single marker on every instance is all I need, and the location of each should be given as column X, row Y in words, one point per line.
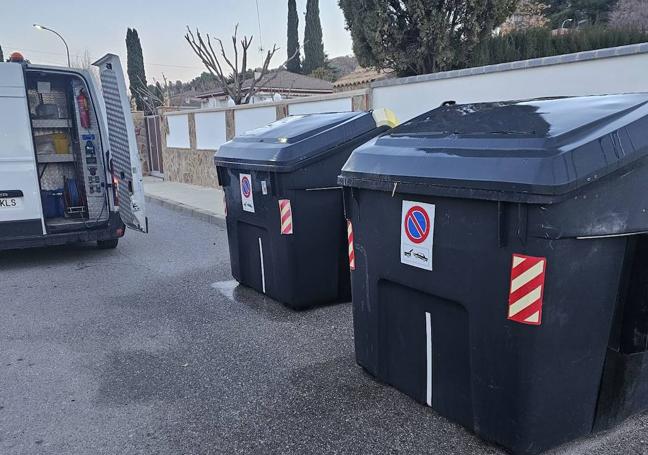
column 84, row 108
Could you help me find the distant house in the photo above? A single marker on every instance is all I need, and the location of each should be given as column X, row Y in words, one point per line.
column 185, row 100
column 361, row 78
column 276, row 85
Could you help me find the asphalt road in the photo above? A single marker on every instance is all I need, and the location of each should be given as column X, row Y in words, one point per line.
column 151, row 349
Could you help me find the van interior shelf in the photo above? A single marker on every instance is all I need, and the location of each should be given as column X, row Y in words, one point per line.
column 52, row 123
column 55, row 158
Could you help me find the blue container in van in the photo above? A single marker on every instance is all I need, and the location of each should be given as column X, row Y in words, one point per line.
column 53, row 205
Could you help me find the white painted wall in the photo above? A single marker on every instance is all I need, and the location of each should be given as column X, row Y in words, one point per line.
column 594, row 77
column 315, row 107
column 210, row 130
column 249, row 119
column 178, row 136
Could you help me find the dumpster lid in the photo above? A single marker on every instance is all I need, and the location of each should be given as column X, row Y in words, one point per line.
column 532, row 150
column 293, row 141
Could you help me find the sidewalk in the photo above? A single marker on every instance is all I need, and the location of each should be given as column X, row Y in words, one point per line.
column 197, row 201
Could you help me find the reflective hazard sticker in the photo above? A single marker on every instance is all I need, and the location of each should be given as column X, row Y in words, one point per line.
column 351, row 247
column 285, row 213
column 247, row 198
column 417, row 234
column 527, row 289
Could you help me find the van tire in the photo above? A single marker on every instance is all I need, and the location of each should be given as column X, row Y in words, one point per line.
column 107, row 244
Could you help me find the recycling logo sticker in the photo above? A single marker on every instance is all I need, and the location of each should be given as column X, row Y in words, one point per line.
column 417, row 234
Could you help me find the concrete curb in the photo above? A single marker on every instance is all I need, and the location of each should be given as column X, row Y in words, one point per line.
column 203, row 215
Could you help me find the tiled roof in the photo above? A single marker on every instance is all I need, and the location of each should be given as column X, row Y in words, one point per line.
column 363, row 76
column 283, row 81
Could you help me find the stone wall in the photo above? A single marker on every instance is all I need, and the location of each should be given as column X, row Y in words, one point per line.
column 195, row 167
column 191, row 165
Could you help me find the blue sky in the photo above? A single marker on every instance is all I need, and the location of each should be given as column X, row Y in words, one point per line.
column 100, row 26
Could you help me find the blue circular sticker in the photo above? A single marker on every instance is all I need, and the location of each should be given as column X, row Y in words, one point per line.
column 417, row 224
column 246, row 188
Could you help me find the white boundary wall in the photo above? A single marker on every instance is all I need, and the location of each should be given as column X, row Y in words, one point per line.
column 178, row 135
column 211, row 125
column 249, row 119
column 614, row 70
column 335, row 105
column 210, row 130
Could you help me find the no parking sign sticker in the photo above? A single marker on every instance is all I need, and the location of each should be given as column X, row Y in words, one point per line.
column 247, row 199
column 417, row 234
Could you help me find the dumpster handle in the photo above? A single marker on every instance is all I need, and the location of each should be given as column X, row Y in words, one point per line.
column 354, row 196
column 394, row 190
column 501, row 225
column 522, row 223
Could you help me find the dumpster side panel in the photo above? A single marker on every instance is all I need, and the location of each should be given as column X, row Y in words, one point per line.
column 624, row 388
column 525, row 387
column 315, row 254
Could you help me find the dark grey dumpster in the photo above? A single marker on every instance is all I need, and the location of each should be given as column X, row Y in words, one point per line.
column 502, row 264
column 285, row 220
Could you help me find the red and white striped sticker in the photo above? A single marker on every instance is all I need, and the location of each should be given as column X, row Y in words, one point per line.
column 351, row 248
column 285, row 212
column 527, row 289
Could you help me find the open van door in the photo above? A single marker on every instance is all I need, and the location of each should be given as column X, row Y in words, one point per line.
column 20, row 200
column 123, row 153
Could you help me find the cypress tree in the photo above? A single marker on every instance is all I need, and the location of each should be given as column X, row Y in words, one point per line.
column 135, row 67
column 1, row 55
column 313, row 46
column 294, row 65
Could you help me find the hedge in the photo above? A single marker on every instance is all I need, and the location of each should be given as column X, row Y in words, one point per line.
column 539, row 42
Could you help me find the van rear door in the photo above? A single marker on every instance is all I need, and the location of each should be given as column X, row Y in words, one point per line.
column 123, row 146
column 21, row 210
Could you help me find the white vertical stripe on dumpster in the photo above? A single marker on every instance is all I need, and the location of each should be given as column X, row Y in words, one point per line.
column 262, row 266
column 428, row 348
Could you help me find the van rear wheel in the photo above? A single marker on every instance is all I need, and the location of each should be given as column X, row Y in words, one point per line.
column 107, row 244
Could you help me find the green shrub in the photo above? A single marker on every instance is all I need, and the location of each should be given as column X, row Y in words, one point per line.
column 538, row 42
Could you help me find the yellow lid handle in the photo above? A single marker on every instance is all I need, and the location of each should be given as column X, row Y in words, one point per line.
column 385, row 117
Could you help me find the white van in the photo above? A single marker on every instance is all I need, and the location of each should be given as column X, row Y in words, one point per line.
column 69, row 165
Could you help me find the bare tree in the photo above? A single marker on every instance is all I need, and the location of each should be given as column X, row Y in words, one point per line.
column 84, row 61
column 153, row 99
column 233, row 75
column 630, row 14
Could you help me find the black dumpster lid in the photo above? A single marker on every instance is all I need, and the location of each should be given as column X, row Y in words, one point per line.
column 291, row 142
column 528, row 150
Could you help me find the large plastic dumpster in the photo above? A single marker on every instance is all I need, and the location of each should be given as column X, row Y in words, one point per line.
column 500, row 266
column 285, row 218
